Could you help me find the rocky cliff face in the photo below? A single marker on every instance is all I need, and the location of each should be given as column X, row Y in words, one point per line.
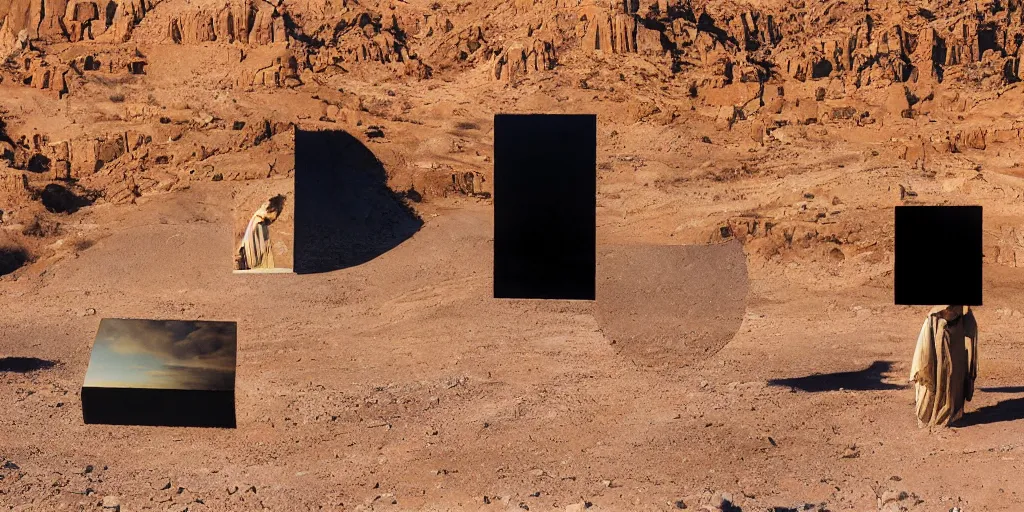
column 73, row 20
column 146, row 90
column 724, row 41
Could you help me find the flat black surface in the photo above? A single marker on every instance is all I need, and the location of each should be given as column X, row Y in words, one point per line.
column 938, row 255
column 158, row 407
column 545, row 190
column 345, row 214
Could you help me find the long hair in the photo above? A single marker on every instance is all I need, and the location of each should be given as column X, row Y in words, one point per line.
column 274, row 207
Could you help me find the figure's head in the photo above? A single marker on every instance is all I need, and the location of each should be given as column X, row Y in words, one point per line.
column 274, row 207
column 953, row 312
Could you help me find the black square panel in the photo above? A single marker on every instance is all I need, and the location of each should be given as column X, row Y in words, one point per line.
column 161, row 372
column 545, row 200
column 938, row 255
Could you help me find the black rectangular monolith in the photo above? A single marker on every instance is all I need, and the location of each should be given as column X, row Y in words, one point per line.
column 545, row 189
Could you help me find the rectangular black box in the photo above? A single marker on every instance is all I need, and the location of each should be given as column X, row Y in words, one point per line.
column 545, row 200
column 161, row 372
column 158, row 407
column 938, row 255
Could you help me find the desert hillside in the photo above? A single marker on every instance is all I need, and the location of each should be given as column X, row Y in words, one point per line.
column 772, row 136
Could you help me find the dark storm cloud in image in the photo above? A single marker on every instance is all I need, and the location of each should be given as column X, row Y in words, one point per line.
column 163, row 354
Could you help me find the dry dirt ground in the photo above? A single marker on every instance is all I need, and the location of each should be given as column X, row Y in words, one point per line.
column 399, row 384
column 753, row 148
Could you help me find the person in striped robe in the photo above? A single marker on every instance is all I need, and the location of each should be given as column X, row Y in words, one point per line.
column 255, row 250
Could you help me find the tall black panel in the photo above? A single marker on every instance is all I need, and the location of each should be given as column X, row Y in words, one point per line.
column 545, row 188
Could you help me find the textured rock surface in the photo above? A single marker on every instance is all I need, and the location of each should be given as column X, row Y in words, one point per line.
column 789, row 127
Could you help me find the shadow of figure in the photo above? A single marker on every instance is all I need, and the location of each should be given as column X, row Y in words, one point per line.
column 868, row 379
column 24, row 364
column 1005, row 410
column 345, row 214
column 1004, row 389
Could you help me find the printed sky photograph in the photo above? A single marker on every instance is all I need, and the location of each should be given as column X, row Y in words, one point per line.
column 163, row 354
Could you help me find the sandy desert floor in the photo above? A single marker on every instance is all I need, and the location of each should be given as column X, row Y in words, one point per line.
column 772, row 137
column 399, row 384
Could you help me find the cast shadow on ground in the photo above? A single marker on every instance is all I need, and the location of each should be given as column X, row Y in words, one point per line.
column 60, row 199
column 1004, row 389
column 1005, row 410
column 345, row 214
column 868, row 379
column 24, row 364
column 11, row 259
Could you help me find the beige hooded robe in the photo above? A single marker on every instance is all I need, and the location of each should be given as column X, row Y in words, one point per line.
column 945, row 364
column 255, row 250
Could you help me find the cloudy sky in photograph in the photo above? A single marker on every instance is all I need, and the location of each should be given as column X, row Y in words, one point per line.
column 163, row 354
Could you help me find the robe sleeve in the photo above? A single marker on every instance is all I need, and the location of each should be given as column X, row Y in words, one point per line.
column 922, row 369
column 971, row 339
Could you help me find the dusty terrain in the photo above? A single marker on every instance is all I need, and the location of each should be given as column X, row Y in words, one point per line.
column 790, row 128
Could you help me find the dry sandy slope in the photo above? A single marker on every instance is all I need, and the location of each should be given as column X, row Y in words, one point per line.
column 400, row 380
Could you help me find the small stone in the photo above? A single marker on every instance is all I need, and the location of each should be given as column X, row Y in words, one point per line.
column 11, row 465
column 524, row 506
column 680, row 504
column 88, row 469
column 232, row 489
column 487, row 501
column 112, row 502
column 851, row 452
column 89, row 312
column 889, row 496
column 537, row 472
